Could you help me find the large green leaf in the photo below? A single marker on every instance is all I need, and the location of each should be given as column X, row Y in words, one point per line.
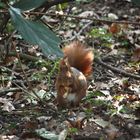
column 47, row 134
column 2, row 5
column 36, row 33
column 28, row 4
column 137, row 2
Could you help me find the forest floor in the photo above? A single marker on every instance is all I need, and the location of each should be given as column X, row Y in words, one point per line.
column 111, row 109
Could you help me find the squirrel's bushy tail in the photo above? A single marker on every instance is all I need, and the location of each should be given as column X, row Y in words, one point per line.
column 79, row 57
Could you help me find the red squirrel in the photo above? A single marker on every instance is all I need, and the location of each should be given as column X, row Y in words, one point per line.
column 74, row 68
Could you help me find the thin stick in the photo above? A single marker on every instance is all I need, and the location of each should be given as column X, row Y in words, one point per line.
column 79, row 17
column 78, row 34
column 20, row 63
column 88, row 18
column 6, row 90
column 24, row 56
column 98, row 60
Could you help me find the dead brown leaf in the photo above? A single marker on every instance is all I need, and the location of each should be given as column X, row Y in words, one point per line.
column 114, row 28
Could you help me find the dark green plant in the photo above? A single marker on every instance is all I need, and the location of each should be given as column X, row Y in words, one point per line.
column 136, row 2
column 33, row 31
column 36, row 33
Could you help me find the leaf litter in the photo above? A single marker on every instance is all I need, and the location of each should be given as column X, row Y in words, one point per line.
column 111, row 108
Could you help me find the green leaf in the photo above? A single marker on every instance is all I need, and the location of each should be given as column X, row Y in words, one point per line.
column 73, row 130
column 102, row 34
column 47, row 134
column 2, row 5
column 28, row 4
column 36, row 33
column 84, row 0
column 137, row 2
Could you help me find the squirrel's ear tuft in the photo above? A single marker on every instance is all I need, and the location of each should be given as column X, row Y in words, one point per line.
column 64, row 61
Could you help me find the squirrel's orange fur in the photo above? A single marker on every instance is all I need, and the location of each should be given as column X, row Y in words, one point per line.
column 71, row 83
column 79, row 57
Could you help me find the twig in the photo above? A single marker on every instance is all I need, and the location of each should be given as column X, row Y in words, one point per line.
column 24, row 56
column 78, row 34
column 45, row 6
column 6, row 90
column 25, row 90
column 20, row 63
column 6, row 68
column 79, row 17
column 12, row 75
column 98, row 60
column 88, row 18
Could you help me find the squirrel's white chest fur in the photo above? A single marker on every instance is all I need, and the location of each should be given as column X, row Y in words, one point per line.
column 71, row 97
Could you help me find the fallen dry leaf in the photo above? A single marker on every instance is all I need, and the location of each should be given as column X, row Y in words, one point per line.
column 7, row 105
column 114, row 28
column 136, row 55
column 76, row 121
